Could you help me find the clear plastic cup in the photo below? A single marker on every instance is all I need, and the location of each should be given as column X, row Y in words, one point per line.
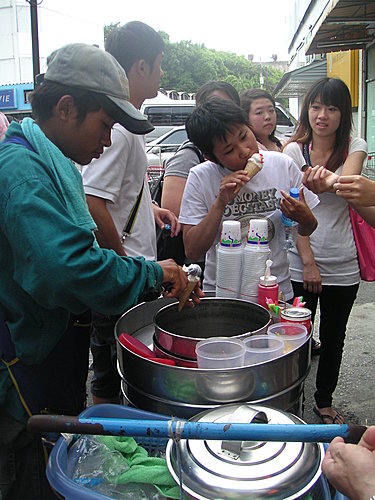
column 293, row 334
column 220, row 352
column 262, row 348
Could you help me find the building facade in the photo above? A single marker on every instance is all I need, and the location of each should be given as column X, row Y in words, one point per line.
column 56, row 27
column 334, row 38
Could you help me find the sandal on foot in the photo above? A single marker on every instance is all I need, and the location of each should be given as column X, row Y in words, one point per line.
column 328, row 419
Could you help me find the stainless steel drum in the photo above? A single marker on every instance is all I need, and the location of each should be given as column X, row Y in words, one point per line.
column 211, row 469
column 184, row 391
column 179, row 332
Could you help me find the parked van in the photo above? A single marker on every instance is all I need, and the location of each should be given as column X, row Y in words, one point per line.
column 164, row 111
column 171, row 113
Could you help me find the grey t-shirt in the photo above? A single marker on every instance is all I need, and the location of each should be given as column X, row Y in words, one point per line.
column 181, row 163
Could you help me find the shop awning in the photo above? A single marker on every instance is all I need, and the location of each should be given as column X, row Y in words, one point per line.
column 343, row 25
column 297, row 82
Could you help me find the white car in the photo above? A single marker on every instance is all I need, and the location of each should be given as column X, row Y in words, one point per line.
column 165, row 146
column 285, row 122
column 158, row 131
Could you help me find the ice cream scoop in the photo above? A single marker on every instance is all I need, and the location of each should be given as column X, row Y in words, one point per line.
column 253, row 166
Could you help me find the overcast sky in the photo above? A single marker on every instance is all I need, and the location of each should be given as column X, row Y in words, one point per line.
column 257, row 27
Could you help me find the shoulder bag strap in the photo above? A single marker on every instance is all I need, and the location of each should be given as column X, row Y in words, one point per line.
column 132, row 216
column 190, row 145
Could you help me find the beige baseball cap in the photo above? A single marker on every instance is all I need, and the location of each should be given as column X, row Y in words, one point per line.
column 88, row 67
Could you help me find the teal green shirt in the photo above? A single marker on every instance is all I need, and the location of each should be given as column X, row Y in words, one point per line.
column 50, row 267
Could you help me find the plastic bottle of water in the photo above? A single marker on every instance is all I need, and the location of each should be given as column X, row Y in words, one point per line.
column 290, row 226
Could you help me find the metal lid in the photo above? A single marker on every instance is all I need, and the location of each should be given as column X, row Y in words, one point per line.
column 296, row 312
column 247, row 469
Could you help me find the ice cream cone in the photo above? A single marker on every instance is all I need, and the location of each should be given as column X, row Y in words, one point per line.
column 253, row 166
column 193, row 280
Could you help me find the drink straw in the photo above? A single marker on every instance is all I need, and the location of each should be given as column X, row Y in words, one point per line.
column 273, row 309
column 297, row 302
column 281, row 299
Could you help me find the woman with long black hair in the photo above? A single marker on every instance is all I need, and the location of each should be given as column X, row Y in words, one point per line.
column 324, row 266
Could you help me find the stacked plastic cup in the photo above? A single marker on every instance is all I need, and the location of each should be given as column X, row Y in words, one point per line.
column 255, row 254
column 220, row 352
column 293, row 334
column 262, row 348
column 229, row 260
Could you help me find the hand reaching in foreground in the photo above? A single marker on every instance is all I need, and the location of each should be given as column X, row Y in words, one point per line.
column 356, row 190
column 299, row 211
column 350, row 468
column 175, row 282
column 319, row 179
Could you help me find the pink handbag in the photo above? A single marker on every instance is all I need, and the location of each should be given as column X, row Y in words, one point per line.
column 364, row 236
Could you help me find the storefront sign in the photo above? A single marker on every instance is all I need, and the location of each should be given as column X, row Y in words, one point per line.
column 7, row 100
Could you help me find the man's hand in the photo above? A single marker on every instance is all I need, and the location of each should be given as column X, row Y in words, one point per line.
column 229, row 185
column 299, row 211
column 350, row 468
column 164, row 216
column 175, row 281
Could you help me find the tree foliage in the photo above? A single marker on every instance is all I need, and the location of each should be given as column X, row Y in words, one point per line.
column 108, row 28
column 188, row 65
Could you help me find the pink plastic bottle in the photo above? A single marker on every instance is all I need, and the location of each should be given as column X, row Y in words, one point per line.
column 268, row 287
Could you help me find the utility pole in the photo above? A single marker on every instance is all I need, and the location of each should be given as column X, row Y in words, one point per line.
column 34, row 37
column 261, row 77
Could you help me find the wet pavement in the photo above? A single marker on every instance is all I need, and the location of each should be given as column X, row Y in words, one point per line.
column 355, row 393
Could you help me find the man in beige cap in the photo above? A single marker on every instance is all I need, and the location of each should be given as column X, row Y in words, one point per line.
column 53, row 271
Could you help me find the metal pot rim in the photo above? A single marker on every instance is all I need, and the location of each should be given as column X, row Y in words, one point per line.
column 172, row 342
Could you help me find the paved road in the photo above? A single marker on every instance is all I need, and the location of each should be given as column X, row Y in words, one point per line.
column 355, row 393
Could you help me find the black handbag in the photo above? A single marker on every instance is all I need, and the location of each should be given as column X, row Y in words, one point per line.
column 167, row 247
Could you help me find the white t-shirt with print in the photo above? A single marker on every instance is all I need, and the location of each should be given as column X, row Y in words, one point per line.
column 332, row 242
column 259, row 197
column 117, row 176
